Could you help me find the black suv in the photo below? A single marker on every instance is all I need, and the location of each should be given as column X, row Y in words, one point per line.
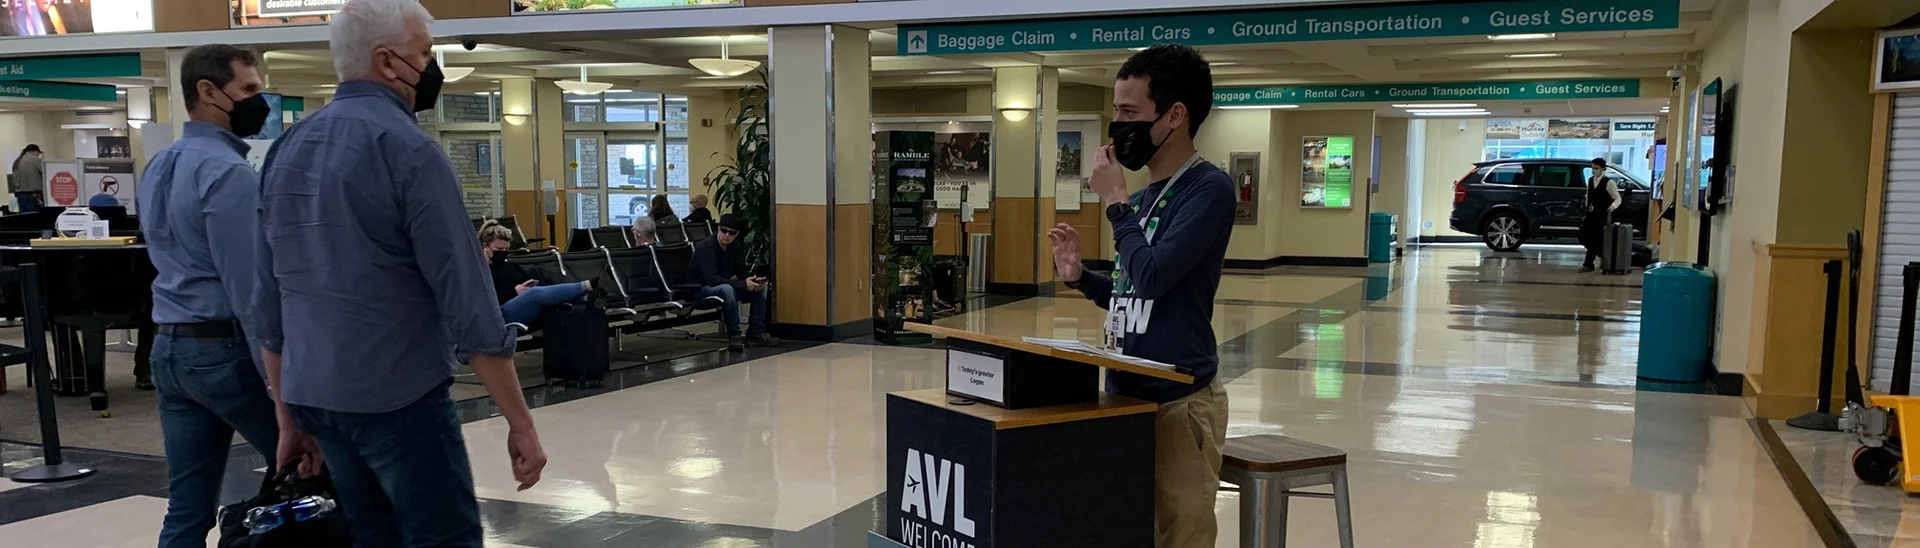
column 1508, row 202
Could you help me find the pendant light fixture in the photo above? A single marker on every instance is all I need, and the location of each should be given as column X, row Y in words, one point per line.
column 453, row 74
column 725, row 66
column 582, row 86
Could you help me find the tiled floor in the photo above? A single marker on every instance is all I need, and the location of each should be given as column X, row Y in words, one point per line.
column 1485, row 401
column 1875, row 516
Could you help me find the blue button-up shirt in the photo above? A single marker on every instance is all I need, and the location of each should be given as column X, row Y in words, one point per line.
column 370, row 274
column 199, row 202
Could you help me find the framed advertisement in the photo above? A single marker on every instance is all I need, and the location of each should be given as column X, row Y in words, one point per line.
column 1069, row 179
column 1896, row 60
column 1244, row 168
column 1326, row 172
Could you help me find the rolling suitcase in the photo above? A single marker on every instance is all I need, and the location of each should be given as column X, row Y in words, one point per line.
column 1616, row 249
column 576, row 344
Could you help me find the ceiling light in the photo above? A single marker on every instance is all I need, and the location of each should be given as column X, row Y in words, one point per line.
column 1223, row 64
column 1523, row 36
column 453, row 74
column 1016, row 114
column 327, row 86
column 1444, row 110
column 944, row 72
column 1532, row 55
column 582, row 86
column 1138, row 49
column 1449, row 112
column 1436, row 105
column 1258, row 107
column 120, row 92
column 725, row 65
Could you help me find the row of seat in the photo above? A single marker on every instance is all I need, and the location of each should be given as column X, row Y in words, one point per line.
column 644, row 288
column 620, row 237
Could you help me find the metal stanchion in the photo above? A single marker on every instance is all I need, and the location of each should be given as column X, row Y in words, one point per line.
column 54, row 467
column 1822, row 417
column 1902, row 381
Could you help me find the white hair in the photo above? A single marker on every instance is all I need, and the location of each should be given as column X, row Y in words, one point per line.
column 365, row 25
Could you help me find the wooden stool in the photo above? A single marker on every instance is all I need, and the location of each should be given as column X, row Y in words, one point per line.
column 1268, row 469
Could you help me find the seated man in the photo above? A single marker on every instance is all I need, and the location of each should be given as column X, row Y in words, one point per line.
column 645, row 232
column 521, row 298
column 718, row 266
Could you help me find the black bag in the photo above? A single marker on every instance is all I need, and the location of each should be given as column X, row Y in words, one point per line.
column 576, row 344
column 329, row 531
column 1642, row 255
column 1616, row 249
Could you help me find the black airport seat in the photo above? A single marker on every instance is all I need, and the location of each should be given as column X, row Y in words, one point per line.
column 543, row 265
column 697, row 232
column 640, row 277
column 671, row 233
column 676, row 265
column 611, row 237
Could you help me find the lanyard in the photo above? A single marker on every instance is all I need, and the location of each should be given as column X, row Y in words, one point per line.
column 1148, row 214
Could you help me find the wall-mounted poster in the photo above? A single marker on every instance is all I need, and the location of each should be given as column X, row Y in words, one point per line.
column 1897, row 60
column 961, row 159
column 1326, row 172
column 1244, row 167
column 1579, row 129
column 284, row 12
column 109, row 146
column 1068, row 183
column 107, row 182
column 52, row 18
column 1531, row 129
column 538, row 6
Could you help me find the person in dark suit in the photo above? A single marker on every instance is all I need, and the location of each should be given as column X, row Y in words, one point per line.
column 700, row 213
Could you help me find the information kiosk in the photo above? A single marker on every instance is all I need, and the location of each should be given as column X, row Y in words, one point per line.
column 1021, row 449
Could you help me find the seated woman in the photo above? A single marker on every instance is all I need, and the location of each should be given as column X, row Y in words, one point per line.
column 521, row 297
column 662, row 212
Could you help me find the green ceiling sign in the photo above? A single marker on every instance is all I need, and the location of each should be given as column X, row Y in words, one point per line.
column 1292, row 25
column 112, row 65
column 1413, row 93
column 32, row 89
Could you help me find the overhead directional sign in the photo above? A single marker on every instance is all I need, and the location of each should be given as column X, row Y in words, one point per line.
column 111, row 65
column 1469, row 91
column 1292, row 25
column 32, row 89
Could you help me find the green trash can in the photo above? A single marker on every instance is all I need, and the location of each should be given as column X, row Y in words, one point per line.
column 1676, row 323
column 1381, row 237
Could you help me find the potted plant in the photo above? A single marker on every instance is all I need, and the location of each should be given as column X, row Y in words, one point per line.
column 744, row 184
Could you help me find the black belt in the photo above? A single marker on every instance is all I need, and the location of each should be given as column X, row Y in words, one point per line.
column 203, row 330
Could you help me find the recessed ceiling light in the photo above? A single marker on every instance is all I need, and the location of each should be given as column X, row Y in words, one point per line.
column 120, row 92
column 1532, row 55
column 1436, row 105
column 944, row 72
column 1443, row 112
column 1138, row 49
column 1258, row 107
column 1224, row 64
column 1522, row 36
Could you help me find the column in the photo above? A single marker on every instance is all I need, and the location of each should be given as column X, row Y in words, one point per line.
column 520, row 148
column 176, row 102
column 822, row 177
column 534, row 199
column 1025, row 150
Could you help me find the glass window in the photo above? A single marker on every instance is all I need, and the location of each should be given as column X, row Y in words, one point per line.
column 679, row 177
column 467, row 107
column 631, row 106
column 676, row 113
column 631, row 163
column 586, row 210
column 583, row 162
column 1555, row 175
column 624, row 207
column 1511, row 174
column 582, row 109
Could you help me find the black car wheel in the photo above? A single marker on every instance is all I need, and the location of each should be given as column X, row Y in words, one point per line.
column 1505, row 232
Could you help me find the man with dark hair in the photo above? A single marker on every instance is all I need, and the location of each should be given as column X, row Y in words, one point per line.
column 199, row 205
column 719, row 265
column 1170, row 242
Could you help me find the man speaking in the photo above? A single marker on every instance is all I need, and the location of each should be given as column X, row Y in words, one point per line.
column 1170, row 242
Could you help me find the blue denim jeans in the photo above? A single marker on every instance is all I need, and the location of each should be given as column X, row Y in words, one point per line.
column 29, row 201
column 730, row 309
column 402, row 475
column 208, row 389
column 526, row 307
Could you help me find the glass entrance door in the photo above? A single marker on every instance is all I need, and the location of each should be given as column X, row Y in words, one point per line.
column 633, row 176
column 481, row 169
column 583, row 183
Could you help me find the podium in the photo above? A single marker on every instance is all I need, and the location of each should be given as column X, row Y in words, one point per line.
column 1022, row 449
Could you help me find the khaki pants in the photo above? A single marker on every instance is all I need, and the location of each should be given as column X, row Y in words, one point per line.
column 1188, row 434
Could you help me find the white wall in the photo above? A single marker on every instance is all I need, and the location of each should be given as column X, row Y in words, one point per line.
column 1452, row 148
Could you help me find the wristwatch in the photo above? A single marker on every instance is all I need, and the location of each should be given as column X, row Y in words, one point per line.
column 1118, row 212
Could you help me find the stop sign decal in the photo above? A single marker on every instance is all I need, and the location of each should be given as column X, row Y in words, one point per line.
column 64, row 189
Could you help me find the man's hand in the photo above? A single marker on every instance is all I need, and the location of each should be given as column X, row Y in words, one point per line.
column 1108, row 181
column 297, row 445
column 756, row 283
column 1066, row 251
column 524, row 286
column 524, row 453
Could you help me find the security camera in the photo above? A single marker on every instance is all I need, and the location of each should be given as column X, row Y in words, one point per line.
column 469, row 44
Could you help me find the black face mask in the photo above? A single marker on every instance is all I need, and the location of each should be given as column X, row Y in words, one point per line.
column 426, row 91
column 248, row 116
column 1133, row 142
